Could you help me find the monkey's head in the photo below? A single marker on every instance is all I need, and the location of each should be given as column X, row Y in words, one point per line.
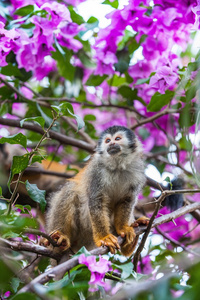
column 116, row 140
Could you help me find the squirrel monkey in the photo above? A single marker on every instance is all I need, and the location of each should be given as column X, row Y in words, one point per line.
column 96, row 205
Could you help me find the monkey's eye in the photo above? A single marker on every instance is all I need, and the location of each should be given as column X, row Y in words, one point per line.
column 107, row 141
column 117, row 138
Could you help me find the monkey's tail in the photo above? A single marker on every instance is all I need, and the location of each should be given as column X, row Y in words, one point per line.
column 175, row 201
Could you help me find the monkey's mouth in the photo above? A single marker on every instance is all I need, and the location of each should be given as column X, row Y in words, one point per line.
column 113, row 149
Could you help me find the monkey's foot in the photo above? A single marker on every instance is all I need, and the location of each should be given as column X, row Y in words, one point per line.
column 130, row 242
column 140, row 221
column 127, row 232
column 62, row 241
column 109, row 241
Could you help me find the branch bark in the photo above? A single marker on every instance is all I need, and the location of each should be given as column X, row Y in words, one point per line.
column 28, row 247
column 52, row 134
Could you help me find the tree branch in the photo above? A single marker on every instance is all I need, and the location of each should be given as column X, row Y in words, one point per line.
column 28, row 247
column 67, row 265
column 52, row 134
column 155, row 117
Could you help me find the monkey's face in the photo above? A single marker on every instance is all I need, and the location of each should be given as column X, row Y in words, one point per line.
column 116, row 140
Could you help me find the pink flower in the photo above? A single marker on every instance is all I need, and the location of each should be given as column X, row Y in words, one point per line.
column 7, row 39
column 164, row 78
column 97, row 269
column 144, row 266
column 175, row 231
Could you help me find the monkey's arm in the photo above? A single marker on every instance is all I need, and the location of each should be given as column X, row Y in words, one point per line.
column 101, row 223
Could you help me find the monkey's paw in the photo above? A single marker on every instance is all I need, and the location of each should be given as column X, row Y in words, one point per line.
column 61, row 240
column 141, row 221
column 127, row 232
column 130, row 241
column 109, row 241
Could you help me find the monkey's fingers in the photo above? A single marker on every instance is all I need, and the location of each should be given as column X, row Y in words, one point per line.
column 55, row 235
column 141, row 221
column 109, row 241
column 62, row 240
column 44, row 242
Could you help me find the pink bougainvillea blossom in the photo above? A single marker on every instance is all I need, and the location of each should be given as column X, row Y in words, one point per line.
column 7, row 39
column 164, row 79
column 97, row 269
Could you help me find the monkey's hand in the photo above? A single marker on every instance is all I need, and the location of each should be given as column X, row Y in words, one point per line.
column 109, row 241
column 62, row 241
column 140, row 221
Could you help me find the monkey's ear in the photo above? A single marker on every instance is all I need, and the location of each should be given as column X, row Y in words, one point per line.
column 175, row 201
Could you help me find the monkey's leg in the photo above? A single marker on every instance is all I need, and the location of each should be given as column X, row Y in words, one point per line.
column 128, row 248
column 62, row 240
column 123, row 214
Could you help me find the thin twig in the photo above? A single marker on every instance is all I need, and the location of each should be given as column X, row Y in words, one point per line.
column 142, row 243
column 155, row 117
column 40, row 233
column 31, row 154
column 176, row 243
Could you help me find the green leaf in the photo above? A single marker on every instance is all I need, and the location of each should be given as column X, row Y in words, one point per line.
column 158, row 100
column 18, row 138
column 66, row 109
column 48, row 120
column 123, row 60
column 83, row 250
column 187, row 116
column 76, row 18
column 89, row 118
column 185, row 143
column 127, row 269
column 24, row 11
column 39, row 120
column 37, row 158
column 5, row 108
column 66, row 69
column 15, row 282
column 142, row 80
column 114, row 3
column 6, row 93
column 23, row 208
column 25, row 296
column 11, row 70
column 127, row 92
column 191, row 93
column 0, row 191
column 116, row 80
column 130, row 94
column 20, row 163
column 6, row 274
column 86, row 60
column 92, row 20
column 36, row 194
column 95, row 80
